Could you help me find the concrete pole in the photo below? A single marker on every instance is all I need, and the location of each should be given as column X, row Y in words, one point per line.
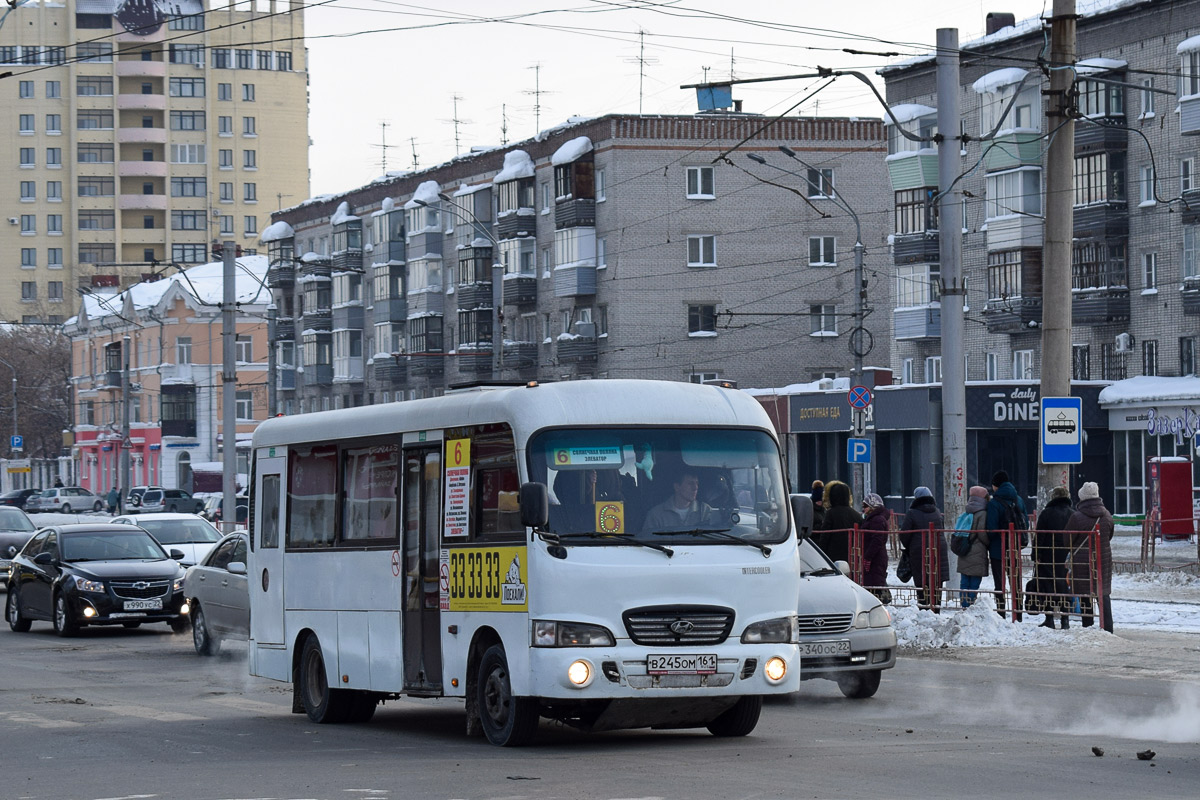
column 954, row 390
column 123, row 486
column 1060, row 223
column 858, row 477
column 228, row 389
column 272, row 315
column 497, row 299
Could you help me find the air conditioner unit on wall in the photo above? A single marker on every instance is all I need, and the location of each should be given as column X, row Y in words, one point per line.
column 1124, row 343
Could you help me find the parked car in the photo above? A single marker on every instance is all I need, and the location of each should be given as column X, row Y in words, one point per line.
column 64, row 499
column 95, row 574
column 175, row 501
column 133, row 500
column 188, row 533
column 217, row 595
column 846, row 634
column 212, row 508
column 17, row 497
column 15, row 530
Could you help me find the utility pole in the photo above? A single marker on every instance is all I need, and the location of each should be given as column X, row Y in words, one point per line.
column 126, row 445
column 954, row 390
column 272, row 315
column 1060, row 224
column 228, row 388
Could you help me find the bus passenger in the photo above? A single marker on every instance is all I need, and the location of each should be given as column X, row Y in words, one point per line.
column 680, row 511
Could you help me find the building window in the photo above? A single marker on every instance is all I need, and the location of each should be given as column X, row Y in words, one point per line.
column 1081, row 362
column 186, row 154
column 822, row 251
column 820, row 183
column 1150, row 269
column 933, row 369
column 225, row 159
column 189, row 187
column 187, row 120
column 28, row 257
column 916, row 211
column 601, row 253
column 94, row 153
column 96, row 119
column 28, row 291
column 824, row 320
column 702, row 319
column 701, row 182
column 264, row 59
column 53, row 90
column 244, row 349
column 249, row 128
column 26, row 90
column 53, row 157
column 1187, row 168
column 54, row 257
column 25, row 123
column 54, row 291
column 250, row 192
column 1146, row 186
column 188, row 253
column 183, row 349
column 283, row 61
column 1112, row 363
column 1150, row 357
column 906, row 371
column 54, row 191
column 187, row 22
column 53, row 123
column 94, row 52
column 28, row 223
column 225, row 126
column 1099, row 178
column 97, row 253
column 186, row 87
column 1187, row 355
column 1022, row 365
column 600, row 186
column 97, row 220
column 93, row 86
column 1147, row 98
column 248, row 92
column 28, row 191
column 226, row 225
column 224, row 91
column 188, row 54
column 1014, row 193
column 1098, row 99
column 250, row 225
column 702, row 251
column 1098, row 265
column 226, row 192
column 54, row 224
column 189, row 220
column 1190, row 243
column 916, row 285
column 28, row 156
column 991, row 367
column 249, row 159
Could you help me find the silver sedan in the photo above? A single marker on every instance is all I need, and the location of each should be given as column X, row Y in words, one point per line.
column 219, row 597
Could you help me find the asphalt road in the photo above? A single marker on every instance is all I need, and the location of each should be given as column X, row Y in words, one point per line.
column 131, row 714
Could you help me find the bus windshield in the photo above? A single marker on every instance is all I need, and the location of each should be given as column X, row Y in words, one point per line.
column 661, row 484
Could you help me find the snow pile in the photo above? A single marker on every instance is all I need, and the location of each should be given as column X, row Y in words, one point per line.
column 999, row 79
column 981, row 626
column 1144, row 388
column 276, row 231
column 571, row 151
column 1095, row 66
column 426, row 193
column 517, row 164
column 907, row 112
column 342, row 215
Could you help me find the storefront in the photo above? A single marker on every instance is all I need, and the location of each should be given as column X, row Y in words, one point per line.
column 98, row 454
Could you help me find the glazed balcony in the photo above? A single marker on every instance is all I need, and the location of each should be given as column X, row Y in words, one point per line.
column 285, row 330
column 317, row 319
column 575, row 280
column 913, row 170
column 285, row 379
column 916, row 248
column 1012, row 314
column 1190, row 294
column 474, row 295
column 917, row 322
column 1100, row 306
column 1189, row 115
column 1014, row 149
column 281, row 275
column 1101, row 221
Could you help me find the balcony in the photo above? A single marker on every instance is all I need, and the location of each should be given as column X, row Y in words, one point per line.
column 317, row 319
column 184, row 428
column 1190, row 293
column 474, row 295
column 388, row 253
column 110, row 380
column 142, row 202
column 319, row 375
column 1012, row 314
column 1012, row 233
column 1100, row 306
column 917, row 322
column 426, row 366
column 1014, row 149
column 1109, row 136
column 348, row 370
column 575, row 280
column 1189, row 115
column 348, row 317
column 1101, row 221
column 520, row 355
column 519, row 290
column 916, row 248
column 285, row 379
column 285, row 330
column 1190, row 213
column 313, row 265
column 281, row 275
column 474, row 359
column 576, row 349
column 176, row 374
column 136, row 68
column 427, row 301
column 142, row 169
column 138, row 135
column 913, row 170
column 392, row 369
column 574, row 214
column 141, row 102
column 391, row 309
column 348, row 261
column 512, row 225
column 425, row 242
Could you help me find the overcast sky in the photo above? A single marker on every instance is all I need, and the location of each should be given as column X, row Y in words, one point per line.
column 381, row 61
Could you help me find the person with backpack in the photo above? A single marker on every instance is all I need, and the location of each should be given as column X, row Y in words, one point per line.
column 1004, row 509
column 1050, row 549
column 970, row 543
column 922, row 545
column 1090, row 514
column 840, row 517
column 875, row 526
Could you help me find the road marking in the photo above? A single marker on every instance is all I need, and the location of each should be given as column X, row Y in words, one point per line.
column 146, row 712
column 246, row 704
column 41, row 722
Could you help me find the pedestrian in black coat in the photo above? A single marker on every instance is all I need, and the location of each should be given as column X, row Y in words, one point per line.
column 840, row 517
column 922, row 545
column 1050, row 550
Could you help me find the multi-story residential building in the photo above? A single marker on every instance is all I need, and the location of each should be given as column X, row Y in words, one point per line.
column 1135, row 307
column 175, row 360
column 136, row 138
column 627, row 246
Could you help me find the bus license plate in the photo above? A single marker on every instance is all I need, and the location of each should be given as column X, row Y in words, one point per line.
column 841, row 647
column 681, row 664
column 144, row 605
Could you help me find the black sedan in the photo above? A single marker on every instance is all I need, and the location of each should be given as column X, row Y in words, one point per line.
column 15, row 530
column 98, row 574
column 17, row 497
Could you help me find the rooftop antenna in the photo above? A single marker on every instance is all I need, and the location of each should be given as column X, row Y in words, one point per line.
column 457, row 122
column 731, row 63
column 416, row 163
column 537, row 95
column 503, row 125
column 641, row 61
column 383, row 145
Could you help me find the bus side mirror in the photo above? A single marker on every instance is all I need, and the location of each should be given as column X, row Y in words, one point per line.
column 802, row 514
column 535, row 506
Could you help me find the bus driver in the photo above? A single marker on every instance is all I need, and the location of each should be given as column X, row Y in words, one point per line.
column 681, row 511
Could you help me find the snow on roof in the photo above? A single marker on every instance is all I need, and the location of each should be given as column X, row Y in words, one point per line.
column 464, row 189
column 342, row 214
column 572, row 150
column 310, row 257
column 276, row 231
column 1148, row 389
column 998, row 79
column 517, row 164
column 1095, row 66
column 819, row 385
column 906, row 112
column 1188, row 45
column 204, row 282
column 388, row 205
column 427, row 192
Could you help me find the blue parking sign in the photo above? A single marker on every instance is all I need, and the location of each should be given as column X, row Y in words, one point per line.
column 858, row 451
column 16, row 442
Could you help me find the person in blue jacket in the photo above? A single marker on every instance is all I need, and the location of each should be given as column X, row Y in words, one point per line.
column 1003, row 494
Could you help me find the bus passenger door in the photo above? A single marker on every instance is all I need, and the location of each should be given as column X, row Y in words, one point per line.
column 266, row 583
column 422, row 526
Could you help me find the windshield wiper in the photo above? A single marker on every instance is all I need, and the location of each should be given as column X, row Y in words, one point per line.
column 723, row 534
column 821, row 571
column 619, row 538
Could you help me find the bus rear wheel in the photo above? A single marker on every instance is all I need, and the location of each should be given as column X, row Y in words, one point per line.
column 507, row 721
column 739, row 720
column 322, row 704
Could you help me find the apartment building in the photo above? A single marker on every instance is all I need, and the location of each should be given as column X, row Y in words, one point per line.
column 1135, row 307
column 137, row 137
column 169, row 331
column 622, row 246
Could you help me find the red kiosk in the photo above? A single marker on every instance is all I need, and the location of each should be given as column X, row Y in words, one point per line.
column 1171, row 493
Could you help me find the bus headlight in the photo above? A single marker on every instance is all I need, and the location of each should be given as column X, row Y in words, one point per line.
column 877, row 617
column 580, row 673
column 775, row 669
column 551, row 633
column 778, row 631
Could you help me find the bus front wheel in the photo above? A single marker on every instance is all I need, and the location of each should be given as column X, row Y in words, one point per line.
column 507, row 721
column 738, row 720
column 322, row 704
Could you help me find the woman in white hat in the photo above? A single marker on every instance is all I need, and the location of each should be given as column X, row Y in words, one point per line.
column 1090, row 514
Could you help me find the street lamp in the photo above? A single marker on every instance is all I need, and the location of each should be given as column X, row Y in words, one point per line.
column 497, row 275
column 14, row 402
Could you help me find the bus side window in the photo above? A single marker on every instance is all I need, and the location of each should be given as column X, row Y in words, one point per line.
column 312, row 489
column 499, row 509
